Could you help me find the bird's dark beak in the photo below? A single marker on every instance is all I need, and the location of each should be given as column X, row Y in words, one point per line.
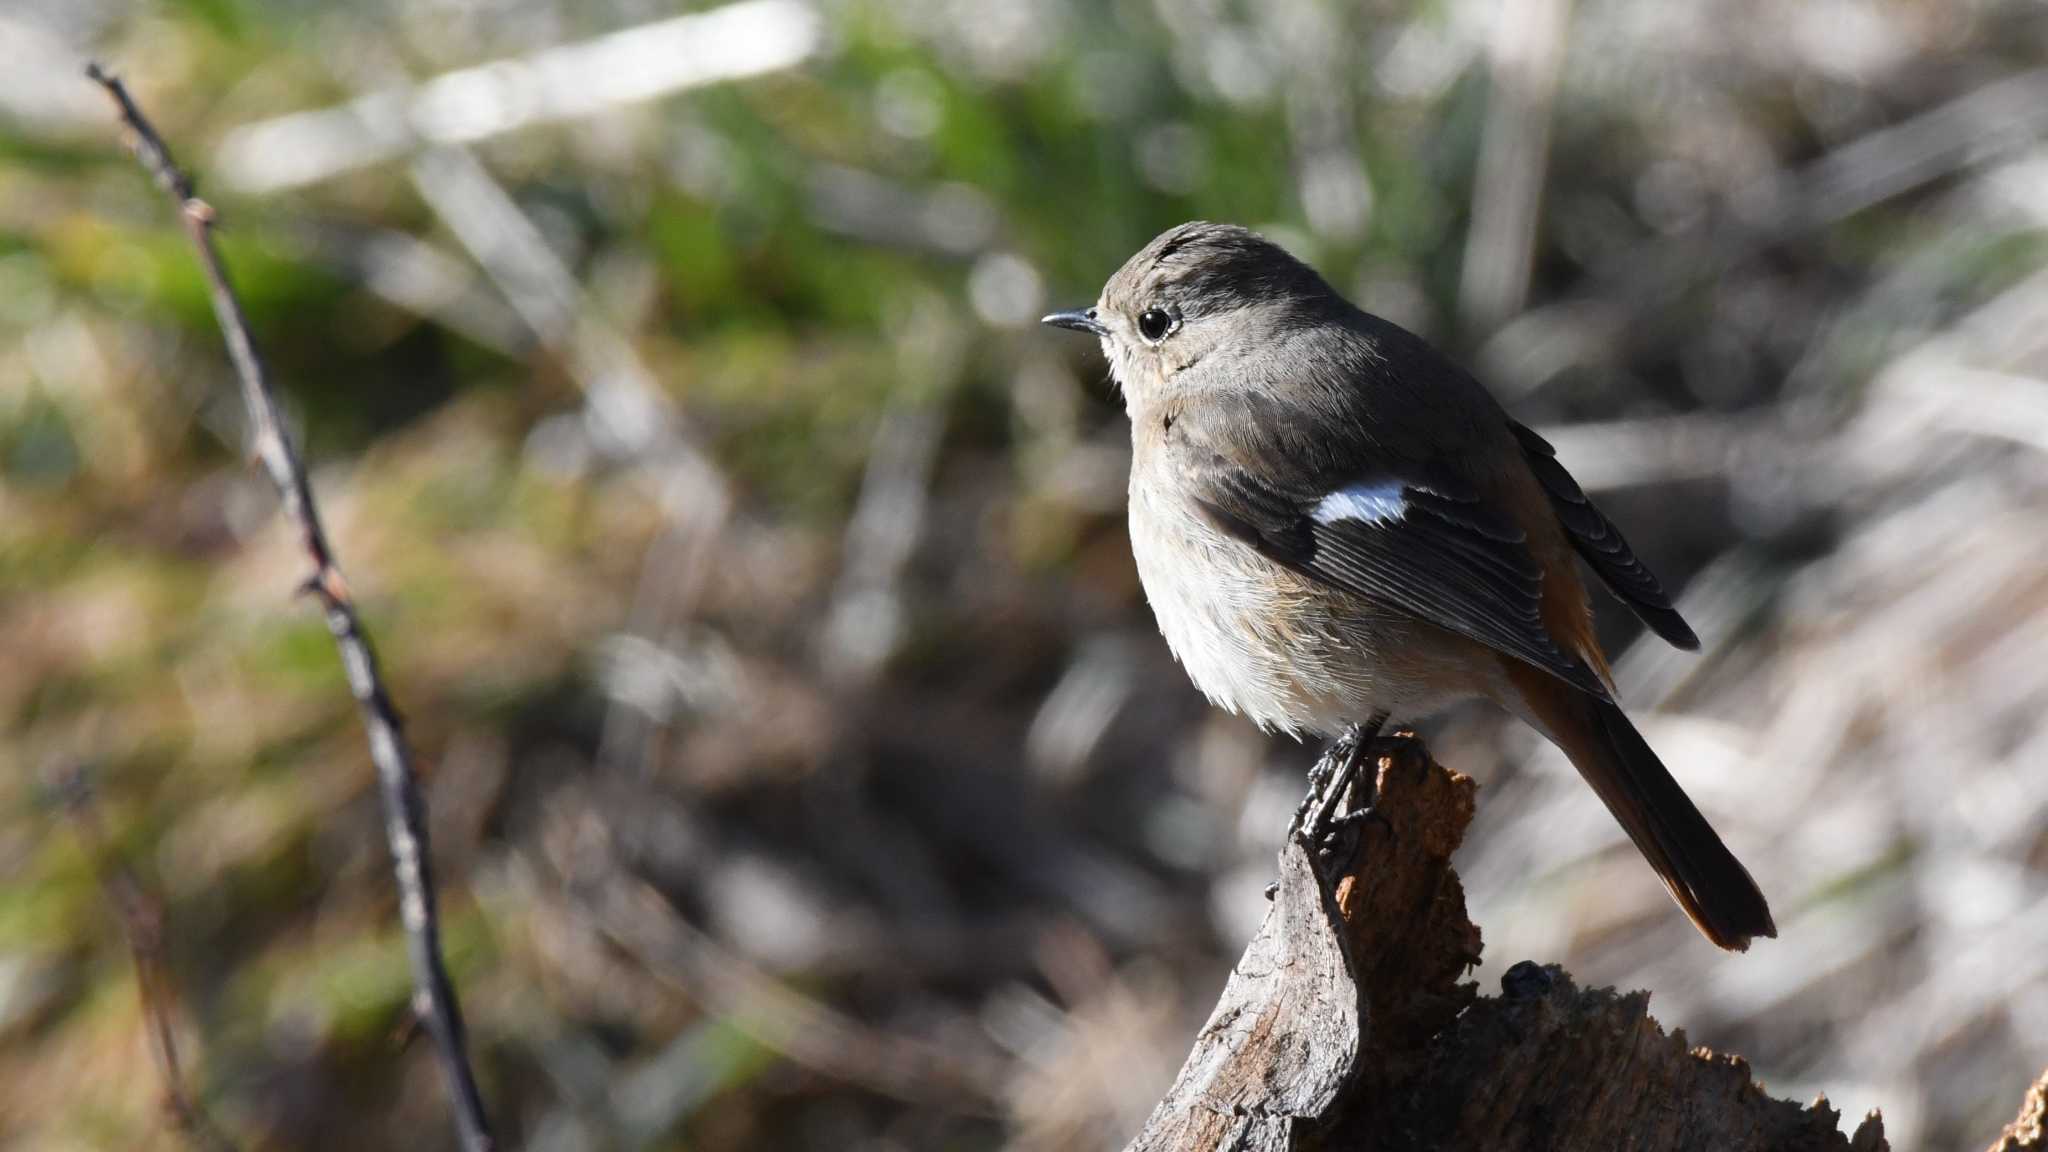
column 1079, row 321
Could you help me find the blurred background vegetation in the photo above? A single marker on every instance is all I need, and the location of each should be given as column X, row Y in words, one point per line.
column 805, row 769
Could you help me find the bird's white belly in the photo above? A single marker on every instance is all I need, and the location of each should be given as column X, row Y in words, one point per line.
column 1260, row 640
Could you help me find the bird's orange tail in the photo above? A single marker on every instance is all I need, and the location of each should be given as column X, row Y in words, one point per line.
column 1702, row 874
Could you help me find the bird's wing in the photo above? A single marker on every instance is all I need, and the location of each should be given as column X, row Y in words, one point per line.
column 1392, row 531
column 1601, row 543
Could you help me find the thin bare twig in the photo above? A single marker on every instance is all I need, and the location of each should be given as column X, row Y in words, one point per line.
column 405, row 825
column 141, row 915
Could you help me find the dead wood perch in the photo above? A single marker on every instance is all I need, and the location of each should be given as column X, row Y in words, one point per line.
column 2029, row 1133
column 1348, row 1024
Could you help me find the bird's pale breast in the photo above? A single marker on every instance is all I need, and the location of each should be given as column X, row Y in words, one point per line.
column 1259, row 639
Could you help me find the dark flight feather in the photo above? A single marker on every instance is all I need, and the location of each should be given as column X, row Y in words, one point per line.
column 1602, row 545
column 1445, row 559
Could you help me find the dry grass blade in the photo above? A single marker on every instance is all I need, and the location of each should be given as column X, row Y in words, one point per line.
column 142, row 922
column 804, row 1030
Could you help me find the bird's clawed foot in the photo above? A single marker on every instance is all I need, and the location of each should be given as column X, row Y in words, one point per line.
column 1328, row 778
column 1341, row 789
column 1357, row 816
column 1342, row 785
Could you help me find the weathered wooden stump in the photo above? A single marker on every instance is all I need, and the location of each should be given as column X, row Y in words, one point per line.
column 1349, row 1024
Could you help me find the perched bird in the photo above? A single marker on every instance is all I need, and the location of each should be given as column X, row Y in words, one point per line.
column 1334, row 524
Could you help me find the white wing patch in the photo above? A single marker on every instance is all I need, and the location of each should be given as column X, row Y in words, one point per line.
column 1372, row 502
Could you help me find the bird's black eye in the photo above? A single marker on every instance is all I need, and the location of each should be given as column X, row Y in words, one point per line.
column 1155, row 323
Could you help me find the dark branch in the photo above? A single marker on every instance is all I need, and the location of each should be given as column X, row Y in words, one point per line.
column 405, row 825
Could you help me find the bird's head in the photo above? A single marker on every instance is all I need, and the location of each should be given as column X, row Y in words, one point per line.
column 1195, row 290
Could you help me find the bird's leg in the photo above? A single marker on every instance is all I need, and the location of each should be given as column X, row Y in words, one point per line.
column 1402, row 743
column 1334, row 777
column 1337, row 763
column 1326, row 823
column 1340, row 752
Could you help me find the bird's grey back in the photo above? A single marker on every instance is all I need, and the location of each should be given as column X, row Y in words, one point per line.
column 1305, row 360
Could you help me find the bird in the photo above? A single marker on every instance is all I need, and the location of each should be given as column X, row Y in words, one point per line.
column 1335, row 524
